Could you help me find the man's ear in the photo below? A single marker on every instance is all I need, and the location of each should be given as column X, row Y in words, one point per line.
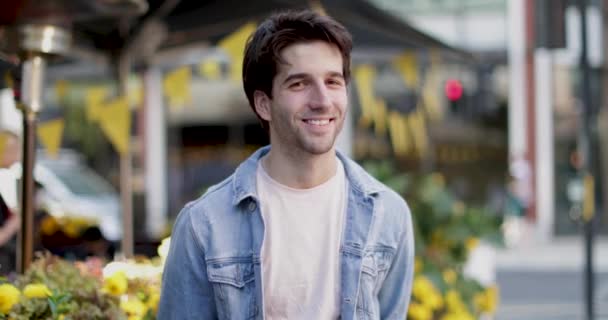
column 262, row 105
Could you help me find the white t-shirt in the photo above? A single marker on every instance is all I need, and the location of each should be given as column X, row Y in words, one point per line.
column 301, row 248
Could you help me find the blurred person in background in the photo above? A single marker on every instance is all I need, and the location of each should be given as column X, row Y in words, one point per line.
column 299, row 231
column 9, row 219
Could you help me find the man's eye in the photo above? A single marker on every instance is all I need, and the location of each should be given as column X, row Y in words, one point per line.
column 334, row 82
column 297, row 85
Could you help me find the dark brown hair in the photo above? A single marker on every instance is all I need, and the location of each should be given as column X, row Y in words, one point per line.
column 280, row 30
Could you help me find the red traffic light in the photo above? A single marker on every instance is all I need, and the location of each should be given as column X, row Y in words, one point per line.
column 453, row 89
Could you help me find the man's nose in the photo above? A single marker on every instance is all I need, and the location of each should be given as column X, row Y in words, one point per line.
column 320, row 97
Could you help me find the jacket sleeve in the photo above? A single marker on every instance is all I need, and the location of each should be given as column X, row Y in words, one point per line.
column 186, row 292
column 394, row 296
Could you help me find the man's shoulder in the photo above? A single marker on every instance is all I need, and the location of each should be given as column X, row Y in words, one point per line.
column 369, row 184
column 212, row 200
column 393, row 203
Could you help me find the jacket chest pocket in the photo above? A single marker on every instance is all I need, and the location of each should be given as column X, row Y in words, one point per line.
column 234, row 289
column 374, row 266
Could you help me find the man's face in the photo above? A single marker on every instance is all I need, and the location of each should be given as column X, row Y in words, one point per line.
column 309, row 99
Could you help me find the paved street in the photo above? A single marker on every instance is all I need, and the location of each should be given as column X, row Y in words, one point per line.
column 545, row 281
column 553, row 295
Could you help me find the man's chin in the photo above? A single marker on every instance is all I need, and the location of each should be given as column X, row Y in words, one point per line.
column 318, row 149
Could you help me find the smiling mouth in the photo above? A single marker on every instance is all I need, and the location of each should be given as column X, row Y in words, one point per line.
column 319, row 122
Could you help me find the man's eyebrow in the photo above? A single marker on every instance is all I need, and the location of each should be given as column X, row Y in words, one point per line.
column 336, row 74
column 295, row 76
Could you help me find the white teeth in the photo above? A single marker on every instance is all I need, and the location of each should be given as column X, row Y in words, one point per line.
column 318, row 122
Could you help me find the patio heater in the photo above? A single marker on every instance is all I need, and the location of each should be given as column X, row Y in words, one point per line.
column 38, row 31
column 38, row 43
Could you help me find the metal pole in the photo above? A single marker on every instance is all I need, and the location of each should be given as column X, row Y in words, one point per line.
column 32, row 86
column 26, row 236
column 588, row 156
column 126, row 192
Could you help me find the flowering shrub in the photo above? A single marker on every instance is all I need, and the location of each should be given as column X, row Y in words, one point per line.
column 137, row 283
column 54, row 288
column 446, row 230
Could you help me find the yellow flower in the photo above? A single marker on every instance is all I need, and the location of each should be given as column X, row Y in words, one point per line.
column 153, row 301
column 449, row 276
column 133, row 307
column 71, row 229
column 116, row 284
column 36, row 290
column 9, row 296
column 454, row 302
column 417, row 311
column 487, row 300
column 49, row 226
column 433, row 300
column 471, row 243
column 422, row 287
column 493, row 298
column 457, row 316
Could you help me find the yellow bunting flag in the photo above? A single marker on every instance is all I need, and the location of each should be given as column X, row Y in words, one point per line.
column 49, row 134
column 406, row 65
column 364, row 79
column 234, row 45
column 61, row 90
column 380, row 118
column 431, row 88
column 94, row 98
column 3, row 140
column 176, row 86
column 115, row 122
column 136, row 93
column 317, row 7
column 398, row 132
column 418, row 130
column 136, row 96
column 210, row 69
column 431, row 102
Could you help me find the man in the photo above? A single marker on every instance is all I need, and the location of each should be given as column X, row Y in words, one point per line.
column 9, row 221
column 299, row 231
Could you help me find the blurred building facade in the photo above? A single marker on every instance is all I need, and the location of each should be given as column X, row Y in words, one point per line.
column 514, row 116
column 540, row 43
column 189, row 120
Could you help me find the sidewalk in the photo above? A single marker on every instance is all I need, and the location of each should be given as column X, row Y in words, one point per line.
column 561, row 254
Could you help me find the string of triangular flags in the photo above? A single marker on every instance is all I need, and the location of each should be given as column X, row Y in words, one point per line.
column 407, row 132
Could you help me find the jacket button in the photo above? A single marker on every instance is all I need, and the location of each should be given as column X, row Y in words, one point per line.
column 252, row 206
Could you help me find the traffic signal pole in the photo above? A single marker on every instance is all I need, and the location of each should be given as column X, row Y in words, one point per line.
column 587, row 152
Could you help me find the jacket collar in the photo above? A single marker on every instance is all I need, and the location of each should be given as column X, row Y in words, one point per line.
column 244, row 182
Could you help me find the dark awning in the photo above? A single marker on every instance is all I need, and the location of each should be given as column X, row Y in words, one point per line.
column 190, row 21
column 199, row 20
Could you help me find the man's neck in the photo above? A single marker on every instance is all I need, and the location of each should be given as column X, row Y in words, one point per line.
column 300, row 171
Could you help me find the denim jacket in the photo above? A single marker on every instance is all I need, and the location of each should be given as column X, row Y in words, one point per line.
column 213, row 268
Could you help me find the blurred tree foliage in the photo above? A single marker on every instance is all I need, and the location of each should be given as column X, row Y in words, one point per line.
column 446, row 230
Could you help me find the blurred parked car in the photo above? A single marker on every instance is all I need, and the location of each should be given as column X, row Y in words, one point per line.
column 66, row 187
